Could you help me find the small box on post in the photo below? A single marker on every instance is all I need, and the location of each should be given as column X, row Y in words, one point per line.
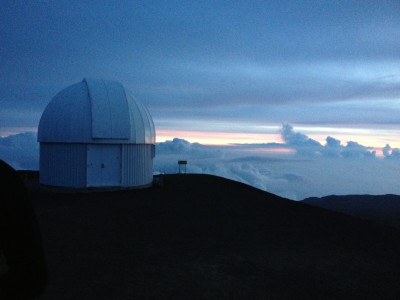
column 182, row 166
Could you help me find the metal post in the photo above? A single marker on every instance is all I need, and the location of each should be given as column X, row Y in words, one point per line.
column 182, row 166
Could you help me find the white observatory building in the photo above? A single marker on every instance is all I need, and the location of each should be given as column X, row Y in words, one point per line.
column 96, row 134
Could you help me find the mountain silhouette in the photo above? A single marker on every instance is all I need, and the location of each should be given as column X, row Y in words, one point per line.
column 383, row 209
column 206, row 237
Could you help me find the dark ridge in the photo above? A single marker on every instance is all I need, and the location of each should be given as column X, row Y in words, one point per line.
column 383, row 209
column 22, row 262
column 30, row 178
column 28, row 174
column 205, row 237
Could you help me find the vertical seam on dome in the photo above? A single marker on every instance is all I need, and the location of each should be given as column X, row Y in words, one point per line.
column 149, row 119
column 110, row 117
column 90, row 103
column 129, row 113
column 141, row 117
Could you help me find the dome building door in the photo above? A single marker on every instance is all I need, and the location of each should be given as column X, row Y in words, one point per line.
column 103, row 165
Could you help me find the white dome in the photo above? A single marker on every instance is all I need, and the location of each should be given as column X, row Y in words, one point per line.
column 96, row 111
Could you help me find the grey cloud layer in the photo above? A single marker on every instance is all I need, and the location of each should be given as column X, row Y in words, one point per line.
column 294, row 177
column 315, row 169
column 217, row 54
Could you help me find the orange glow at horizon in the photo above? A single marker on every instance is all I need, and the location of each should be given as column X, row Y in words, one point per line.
column 217, row 138
column 271, row 150
column 374, row 139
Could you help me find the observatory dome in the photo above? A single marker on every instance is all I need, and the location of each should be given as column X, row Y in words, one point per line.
column 96, row 111
column 96, row 134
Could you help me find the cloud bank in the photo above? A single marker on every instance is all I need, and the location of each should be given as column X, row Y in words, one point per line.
column 268, row 60
column 21, row 151
column 307, row 147
column 309, row 169
column 312, row 169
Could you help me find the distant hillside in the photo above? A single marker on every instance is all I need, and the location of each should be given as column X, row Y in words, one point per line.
column 205, row 237
column 384, row 209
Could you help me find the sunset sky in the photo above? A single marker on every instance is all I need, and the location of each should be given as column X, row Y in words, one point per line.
column 214, row 72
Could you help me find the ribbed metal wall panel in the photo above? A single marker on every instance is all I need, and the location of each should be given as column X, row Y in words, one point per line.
column 137, row 164
column 63, row 164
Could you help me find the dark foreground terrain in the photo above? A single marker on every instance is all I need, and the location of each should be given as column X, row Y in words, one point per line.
column 205, row 237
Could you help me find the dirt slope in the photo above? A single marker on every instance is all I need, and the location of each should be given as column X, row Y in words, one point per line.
column 205, row 237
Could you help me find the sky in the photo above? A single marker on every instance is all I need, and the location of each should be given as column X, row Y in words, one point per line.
column 218, row 73
column 214, row 72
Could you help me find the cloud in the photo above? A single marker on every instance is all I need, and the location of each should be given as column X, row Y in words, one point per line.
column 332, row 148
column 182, row 147
column 355, row 150
column 386, row 150
column 185, row 56
column 303, row 145
column 290, row 176
column 396, row 153
column 307, row 147
column 391, row 153
column 313, row 170
column 21, row 151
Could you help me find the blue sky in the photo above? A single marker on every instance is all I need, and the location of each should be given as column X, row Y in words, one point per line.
column 213, row 71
